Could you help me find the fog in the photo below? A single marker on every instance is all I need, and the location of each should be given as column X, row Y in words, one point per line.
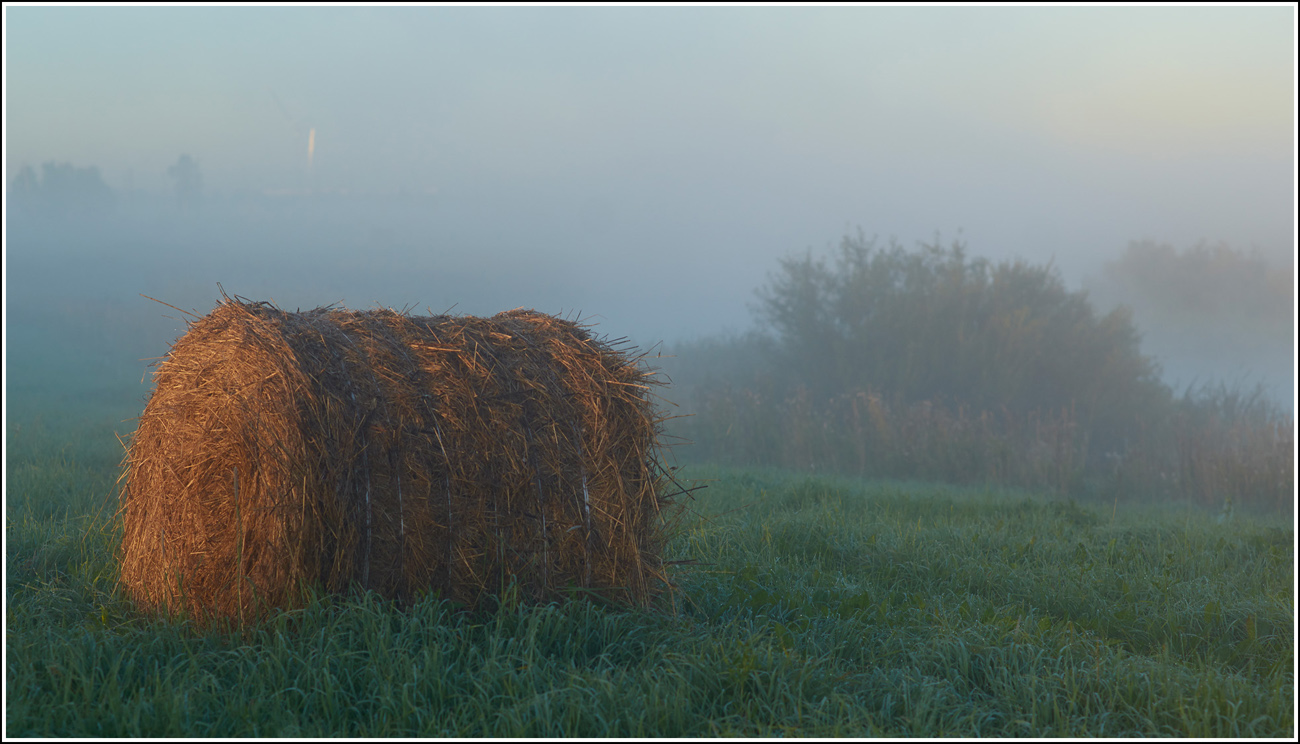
column 642, row 168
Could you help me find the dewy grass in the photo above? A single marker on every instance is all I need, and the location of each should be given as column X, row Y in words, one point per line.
column 811, row 606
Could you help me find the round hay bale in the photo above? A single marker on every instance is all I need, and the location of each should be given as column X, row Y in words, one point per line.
column 332, row 449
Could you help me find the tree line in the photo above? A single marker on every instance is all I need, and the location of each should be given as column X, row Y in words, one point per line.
column 928, row 363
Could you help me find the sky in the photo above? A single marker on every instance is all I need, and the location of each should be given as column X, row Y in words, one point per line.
column 647, row 166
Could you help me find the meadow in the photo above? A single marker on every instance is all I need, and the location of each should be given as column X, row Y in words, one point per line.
column 805, row 606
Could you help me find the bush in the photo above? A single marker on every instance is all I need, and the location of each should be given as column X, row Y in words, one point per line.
column 931, row 325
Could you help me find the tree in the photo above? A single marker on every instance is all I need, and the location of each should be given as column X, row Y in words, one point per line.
column 25, row 185
column 931, row 324
column 188, row 182
column 62, row 188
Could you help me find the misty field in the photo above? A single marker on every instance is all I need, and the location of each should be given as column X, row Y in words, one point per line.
column 813, row 606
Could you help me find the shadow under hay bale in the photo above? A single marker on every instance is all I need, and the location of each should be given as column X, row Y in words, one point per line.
column 334, row 449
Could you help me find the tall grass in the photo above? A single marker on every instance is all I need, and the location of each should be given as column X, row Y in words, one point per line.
column 867, row 435
column 1235, row 445
column 1217, row 447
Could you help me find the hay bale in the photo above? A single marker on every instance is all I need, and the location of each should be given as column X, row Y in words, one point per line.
column 337, row 449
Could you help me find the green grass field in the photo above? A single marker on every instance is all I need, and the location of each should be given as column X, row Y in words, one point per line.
column 817, row 607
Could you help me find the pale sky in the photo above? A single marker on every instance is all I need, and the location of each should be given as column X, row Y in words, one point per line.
column 660, row 160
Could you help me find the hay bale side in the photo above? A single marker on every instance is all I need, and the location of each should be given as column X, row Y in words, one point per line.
column 333, row 449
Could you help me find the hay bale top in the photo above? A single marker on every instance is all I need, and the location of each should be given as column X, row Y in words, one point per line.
column 397, row 453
